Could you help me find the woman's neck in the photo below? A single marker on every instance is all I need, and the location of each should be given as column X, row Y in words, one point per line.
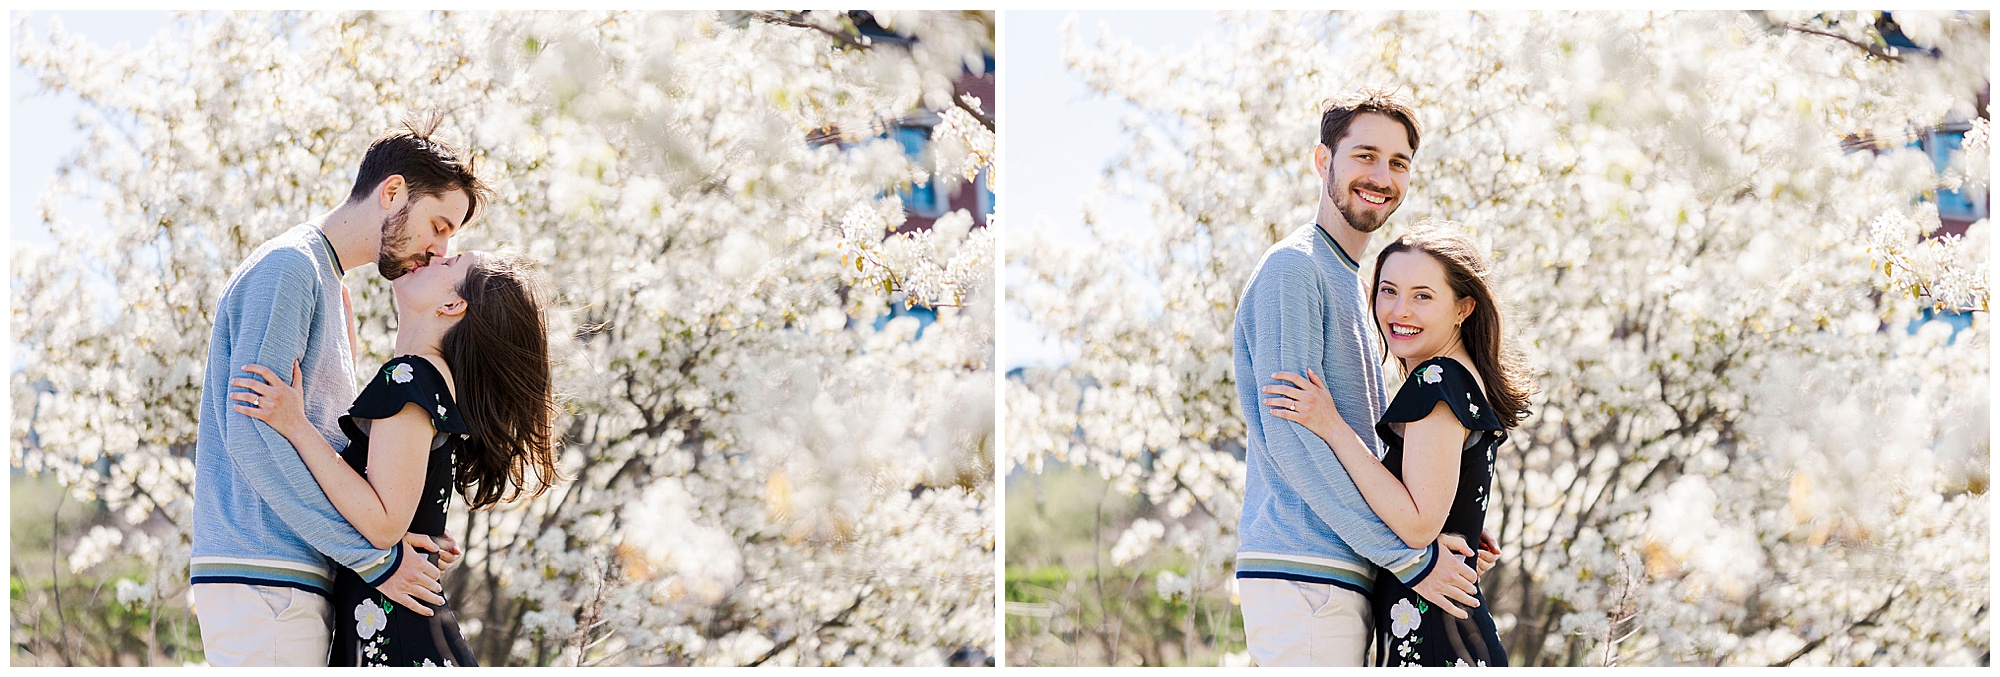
column 418, row 336
column 1455, row 351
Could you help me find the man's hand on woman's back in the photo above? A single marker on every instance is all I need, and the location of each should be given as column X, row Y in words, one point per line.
column 444, row 545
column 1450, row 582
column 415, row 584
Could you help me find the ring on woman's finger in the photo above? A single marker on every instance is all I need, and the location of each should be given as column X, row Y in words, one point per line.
column 256, row 402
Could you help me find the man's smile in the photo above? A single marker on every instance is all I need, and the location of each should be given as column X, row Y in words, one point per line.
column 1372, row 197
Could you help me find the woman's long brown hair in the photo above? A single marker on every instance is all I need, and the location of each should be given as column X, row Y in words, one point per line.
column 499, row 355
column 1500, row 364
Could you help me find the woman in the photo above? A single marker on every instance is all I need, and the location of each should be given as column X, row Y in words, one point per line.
column 466, row 403
column 1438, row 317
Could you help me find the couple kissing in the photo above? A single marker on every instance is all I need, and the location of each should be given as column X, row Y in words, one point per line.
column 319, row 522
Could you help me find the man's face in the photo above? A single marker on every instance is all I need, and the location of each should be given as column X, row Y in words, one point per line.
column 419, row 230
column 1369, row 171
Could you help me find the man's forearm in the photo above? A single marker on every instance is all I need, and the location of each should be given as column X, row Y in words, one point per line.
column 283, row 481
column 350, row 493
column 1386, row 495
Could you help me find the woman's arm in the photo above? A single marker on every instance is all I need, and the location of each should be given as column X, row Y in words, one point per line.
column 380, row 505
column 1415, row 511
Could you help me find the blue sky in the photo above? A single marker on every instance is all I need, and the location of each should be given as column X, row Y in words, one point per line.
column 1059, row 138
column 42, row 127
column 42, row 130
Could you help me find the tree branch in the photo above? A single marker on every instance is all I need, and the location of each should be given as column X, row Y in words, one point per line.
column 1873, row 50
column 838, row 36
column 838, row 620
column 984, row 119
column 1870, row 619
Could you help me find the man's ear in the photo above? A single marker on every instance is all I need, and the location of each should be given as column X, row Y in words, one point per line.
column 452, row 308
column 1322, row 158
column 392, row 191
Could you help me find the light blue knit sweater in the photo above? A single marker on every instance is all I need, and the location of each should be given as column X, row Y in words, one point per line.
column 1303, row 518
column 259, row 516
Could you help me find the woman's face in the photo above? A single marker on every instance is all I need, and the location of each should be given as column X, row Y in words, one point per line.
column 434, row 287
column 1415, row 307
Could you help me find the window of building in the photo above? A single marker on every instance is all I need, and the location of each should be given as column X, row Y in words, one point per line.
column 923, row 199
column 1944, row 146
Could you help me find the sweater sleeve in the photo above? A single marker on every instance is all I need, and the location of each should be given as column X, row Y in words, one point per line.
column 1290, row 312
column 274, row 312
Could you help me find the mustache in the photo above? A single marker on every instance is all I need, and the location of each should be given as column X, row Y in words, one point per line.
column 1385, row 190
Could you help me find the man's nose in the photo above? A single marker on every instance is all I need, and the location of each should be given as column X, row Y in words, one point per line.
column 1381, row 174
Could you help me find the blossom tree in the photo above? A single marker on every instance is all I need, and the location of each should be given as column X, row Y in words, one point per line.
column 1744, row 451
column 765, row 468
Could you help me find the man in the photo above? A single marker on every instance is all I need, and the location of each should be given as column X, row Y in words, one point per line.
column 1310, row 543
column 263, row 529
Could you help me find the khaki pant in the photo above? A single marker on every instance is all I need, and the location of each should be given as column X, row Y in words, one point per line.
column 262, row 625
column 1294, row 624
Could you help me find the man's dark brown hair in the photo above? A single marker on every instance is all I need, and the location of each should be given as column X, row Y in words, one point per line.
column 428, row 166
column 1338, row 113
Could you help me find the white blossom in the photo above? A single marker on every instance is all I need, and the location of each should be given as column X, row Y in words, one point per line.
column 1734, row 426
column 94, row 548
column 751, row 459
column 1171, row 586
column 1137, row 540
column 132, row 592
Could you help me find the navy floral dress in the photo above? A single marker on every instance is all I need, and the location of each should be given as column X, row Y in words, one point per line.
column 1408, row 629
column 368, row 629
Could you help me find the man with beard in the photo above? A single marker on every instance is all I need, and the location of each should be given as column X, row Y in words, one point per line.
column 265, row 537
column 1310, row 543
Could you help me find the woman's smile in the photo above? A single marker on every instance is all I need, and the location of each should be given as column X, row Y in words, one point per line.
column 1411, row 296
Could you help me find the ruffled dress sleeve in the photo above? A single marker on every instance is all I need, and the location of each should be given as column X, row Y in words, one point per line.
column 405, row 380
column 1442, row 379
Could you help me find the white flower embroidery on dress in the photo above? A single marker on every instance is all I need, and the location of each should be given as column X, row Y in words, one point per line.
column 1474, row 407
column 401, row 373
column 1408, row 650
column 1433, row 373
column 441, row 411
column 1460, row 663
column 369, row 619
column 1404, row 618
column 429, row 664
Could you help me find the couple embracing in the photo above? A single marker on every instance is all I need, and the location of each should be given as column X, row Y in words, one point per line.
column 319, row 523
column 1360, row 506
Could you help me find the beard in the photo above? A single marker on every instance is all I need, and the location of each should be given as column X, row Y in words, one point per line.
column 395, row 235
column 1364, row 221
